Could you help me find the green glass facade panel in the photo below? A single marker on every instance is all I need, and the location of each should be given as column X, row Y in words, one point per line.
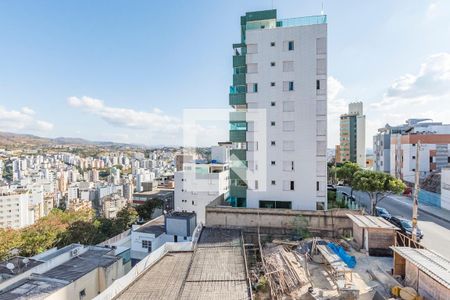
column 239, row 79
column 237, row 99
column 238, row 126
column 260, row 15
column 238, row 136
column 238, row 191
column 240, row 154
column 238, row 60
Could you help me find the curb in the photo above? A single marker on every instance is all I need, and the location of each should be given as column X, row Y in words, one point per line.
column 434, row 215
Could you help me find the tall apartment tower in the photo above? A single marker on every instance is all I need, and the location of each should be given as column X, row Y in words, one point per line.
column 278, row 128
column 353, row 135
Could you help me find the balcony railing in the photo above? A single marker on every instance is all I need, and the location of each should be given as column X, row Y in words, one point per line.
column 303, row 21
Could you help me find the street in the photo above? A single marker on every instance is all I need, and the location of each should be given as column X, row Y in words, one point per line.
column 436, row 231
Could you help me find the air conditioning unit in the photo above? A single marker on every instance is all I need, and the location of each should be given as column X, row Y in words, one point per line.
column 74, row 252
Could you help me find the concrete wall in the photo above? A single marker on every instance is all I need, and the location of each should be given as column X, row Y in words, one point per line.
column 324, row 223
column 427, row 287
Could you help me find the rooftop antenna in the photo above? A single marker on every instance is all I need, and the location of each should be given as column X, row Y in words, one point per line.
column 272, row 4
column 322, row 11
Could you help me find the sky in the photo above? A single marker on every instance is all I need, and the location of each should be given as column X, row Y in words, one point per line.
column 130, row 71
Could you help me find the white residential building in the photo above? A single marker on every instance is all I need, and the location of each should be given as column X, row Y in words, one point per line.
column 279, row 126
column 198, row 185
column 21, row 207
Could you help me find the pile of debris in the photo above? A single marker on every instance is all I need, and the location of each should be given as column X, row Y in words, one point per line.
column 285, row 269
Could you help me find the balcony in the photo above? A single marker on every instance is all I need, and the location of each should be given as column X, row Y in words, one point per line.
column 238, row 191
column 303, row 21
column 237, row 116
column 237, row 99
column 238, row 154
column 238, row 60
column 237, row 136
column 239, row 79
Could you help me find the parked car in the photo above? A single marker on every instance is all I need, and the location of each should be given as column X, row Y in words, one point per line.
column 405, row 226
column 383, row 212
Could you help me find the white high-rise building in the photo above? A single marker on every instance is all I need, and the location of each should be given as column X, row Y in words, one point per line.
column 279, row 126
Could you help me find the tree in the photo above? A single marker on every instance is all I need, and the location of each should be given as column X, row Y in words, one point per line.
column 9, row 239
column 146, row 210
column 347, row 172
column 81, row 232
column 126, row 217
column 377, row 185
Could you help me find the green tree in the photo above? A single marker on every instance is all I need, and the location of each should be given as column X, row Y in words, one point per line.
column 346, row 173
column 377, row 185
column 145, row 211
column 81, row 232
column 126, row 217
column 9, row 239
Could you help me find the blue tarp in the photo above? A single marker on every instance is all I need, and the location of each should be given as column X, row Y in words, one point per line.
column 348, row 259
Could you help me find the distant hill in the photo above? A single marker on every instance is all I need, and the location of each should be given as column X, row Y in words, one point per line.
column 8, row 139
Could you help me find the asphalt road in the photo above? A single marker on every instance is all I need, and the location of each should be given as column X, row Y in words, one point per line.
column 436, row 231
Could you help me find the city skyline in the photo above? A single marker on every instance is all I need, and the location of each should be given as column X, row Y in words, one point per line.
column 119, row 69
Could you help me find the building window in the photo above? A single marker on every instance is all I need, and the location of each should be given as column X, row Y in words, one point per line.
column 272, row 103
column 272, row 123
column 273, row 182
column 291, row 45
column 272, row 44
column 193, row 202
column 320, row 205
column 147, row 245
column 255, row 88
column 317, row 84
column 256, row 184
column 272, row 64
column 272, row 143
column 272, row 163
column 82, row 294
column 291, row 85
column 292, row 186
column 413, row 157
column 317, row 186
column 272, row 84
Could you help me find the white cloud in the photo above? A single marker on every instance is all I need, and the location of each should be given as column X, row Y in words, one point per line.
column 336, row 106
column 27, row 110
column 425, row 94
column 127, row 118
column 158, row 127
column 23, row 120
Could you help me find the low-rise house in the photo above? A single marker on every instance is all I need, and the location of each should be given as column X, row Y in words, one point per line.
column 74, row 272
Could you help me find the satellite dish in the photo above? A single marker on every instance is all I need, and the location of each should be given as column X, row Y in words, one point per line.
column 10, row 266
column 26, row 260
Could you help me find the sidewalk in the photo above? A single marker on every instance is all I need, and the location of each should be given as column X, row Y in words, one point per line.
column 440, row 213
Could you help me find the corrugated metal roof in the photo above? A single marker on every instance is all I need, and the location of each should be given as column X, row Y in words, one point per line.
column 371, row 222
column 431, row 263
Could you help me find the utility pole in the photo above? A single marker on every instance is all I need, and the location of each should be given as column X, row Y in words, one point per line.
column 416, row 195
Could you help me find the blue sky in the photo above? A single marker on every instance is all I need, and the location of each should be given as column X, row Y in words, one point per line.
column 125, row 70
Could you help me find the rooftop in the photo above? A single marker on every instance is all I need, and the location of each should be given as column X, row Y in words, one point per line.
column 79, row 266
column 32, row 288
column 155, row 226
column 215, row 270
column 371, row 222
column 429, row 262
column 19, row 266
column 161, row 281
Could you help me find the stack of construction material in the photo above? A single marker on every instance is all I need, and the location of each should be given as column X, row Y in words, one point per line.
column 283, row 270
